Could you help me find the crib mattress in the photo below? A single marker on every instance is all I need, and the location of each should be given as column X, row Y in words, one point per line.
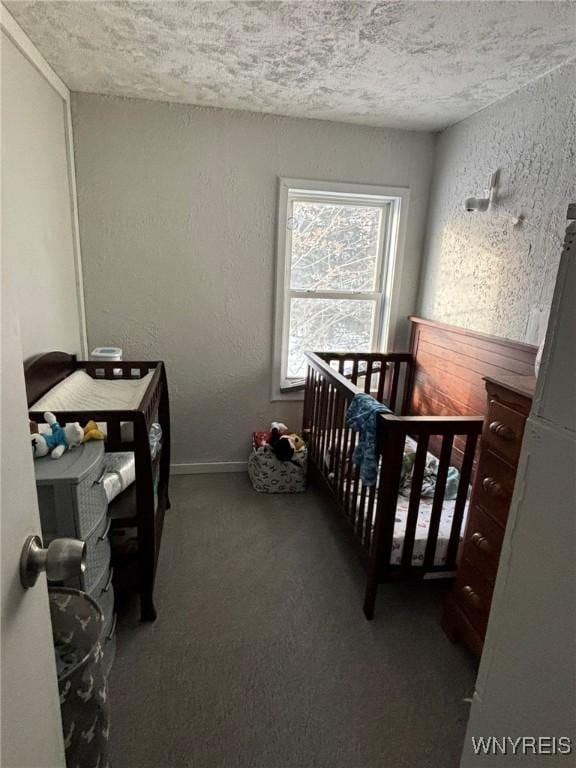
column 81, row 392
column 424, row 516
column 422, row 528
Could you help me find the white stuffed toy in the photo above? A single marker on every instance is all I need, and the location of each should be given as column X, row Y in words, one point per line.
column 60, row 438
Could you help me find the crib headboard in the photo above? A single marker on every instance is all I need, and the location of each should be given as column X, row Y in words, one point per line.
column 450, row 364
column 42, row 372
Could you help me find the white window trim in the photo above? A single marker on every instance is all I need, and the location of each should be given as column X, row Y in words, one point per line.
column 398, row 197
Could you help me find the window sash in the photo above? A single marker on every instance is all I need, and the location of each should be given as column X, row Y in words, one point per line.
column 287, row 383
column 356, row 201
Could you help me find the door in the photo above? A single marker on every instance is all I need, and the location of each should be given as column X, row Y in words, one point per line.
column 31, row 725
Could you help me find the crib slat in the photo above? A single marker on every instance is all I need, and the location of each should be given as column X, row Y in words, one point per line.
column 319, row 396
column 382, row 381
column 344, row 461
column 353, row 509
column 394, row 389
column 322, row 419
column 368, row 380
column 332, row 393
column 415, row 497
column 354, row 377
column 307, row 402
column 312, row 422
column 444, row 464
column 314, row 425
column 349, row 473
column 337, row 458
column 367, row 537
column 465, row 477
column 361, row 517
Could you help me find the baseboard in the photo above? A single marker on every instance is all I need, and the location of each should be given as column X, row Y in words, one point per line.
column 208, row 468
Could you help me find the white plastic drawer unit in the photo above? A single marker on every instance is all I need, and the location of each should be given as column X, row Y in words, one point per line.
column 73, row 503
column 71, row 493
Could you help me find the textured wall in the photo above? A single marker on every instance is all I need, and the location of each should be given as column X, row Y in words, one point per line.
column 37, row 242
column 178, row 223
column 481, row 271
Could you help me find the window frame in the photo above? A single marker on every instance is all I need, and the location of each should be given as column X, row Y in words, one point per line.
column 390, row 254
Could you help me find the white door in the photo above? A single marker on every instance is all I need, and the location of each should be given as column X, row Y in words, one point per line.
column 31, row 726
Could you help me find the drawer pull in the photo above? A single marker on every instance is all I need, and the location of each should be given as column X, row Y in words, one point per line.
column 103, row 536
column 110, row 634
column 109, row 582
column 502, row 430
column 493, row 488
column 471, row 596
column 481, row 542
column 100, row 480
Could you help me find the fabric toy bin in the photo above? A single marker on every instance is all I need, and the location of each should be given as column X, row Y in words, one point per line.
column 270, row 475
column 77, row 622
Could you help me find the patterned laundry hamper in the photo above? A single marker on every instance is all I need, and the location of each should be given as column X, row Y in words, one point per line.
column 270, row 475
column 77, row 622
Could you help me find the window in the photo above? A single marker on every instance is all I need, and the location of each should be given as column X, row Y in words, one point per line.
column 337, row 247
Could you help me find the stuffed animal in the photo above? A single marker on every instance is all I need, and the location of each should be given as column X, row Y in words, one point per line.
column 283, row 444
column 56, row 441
column 92, row 432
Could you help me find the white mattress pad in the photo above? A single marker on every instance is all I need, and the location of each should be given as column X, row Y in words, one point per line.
column 81, row 392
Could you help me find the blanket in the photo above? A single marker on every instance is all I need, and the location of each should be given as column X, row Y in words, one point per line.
column 362, row 418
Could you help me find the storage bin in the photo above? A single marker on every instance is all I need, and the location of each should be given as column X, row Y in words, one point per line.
column 77, row 628
column 106, row 353
column 270, row 475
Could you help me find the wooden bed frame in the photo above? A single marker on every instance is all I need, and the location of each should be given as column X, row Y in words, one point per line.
column 436, row 393
column 136, row 506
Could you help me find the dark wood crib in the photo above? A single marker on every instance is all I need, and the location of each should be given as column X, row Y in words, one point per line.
column 436, row 395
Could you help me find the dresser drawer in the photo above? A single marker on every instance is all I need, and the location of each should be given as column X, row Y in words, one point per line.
column 483, row 543
column 504, row 431
column 494, row 486
column 473, row 594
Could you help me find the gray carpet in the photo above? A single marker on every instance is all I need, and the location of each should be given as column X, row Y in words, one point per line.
column 261, row 656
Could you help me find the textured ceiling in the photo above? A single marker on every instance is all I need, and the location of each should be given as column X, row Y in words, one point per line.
column 420, row 65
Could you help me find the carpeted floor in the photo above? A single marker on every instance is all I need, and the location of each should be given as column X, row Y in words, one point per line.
column 261, row 656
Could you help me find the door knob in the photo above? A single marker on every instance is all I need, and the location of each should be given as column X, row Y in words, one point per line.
column 62, row 559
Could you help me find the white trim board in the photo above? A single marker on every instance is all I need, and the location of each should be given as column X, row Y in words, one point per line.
column 209, row 468
column 16, row 34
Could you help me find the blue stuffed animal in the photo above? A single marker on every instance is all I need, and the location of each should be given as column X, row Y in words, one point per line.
column 56, row 441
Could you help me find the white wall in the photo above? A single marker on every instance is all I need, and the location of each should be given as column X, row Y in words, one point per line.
column 178, row 214
column 527, row 680
column 481, row 272
column 37, row 214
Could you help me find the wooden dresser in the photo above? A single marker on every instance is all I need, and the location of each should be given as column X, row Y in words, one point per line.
column 467, row 608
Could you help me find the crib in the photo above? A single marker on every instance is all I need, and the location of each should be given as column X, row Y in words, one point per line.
column 143, row 504
column 436, row 396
